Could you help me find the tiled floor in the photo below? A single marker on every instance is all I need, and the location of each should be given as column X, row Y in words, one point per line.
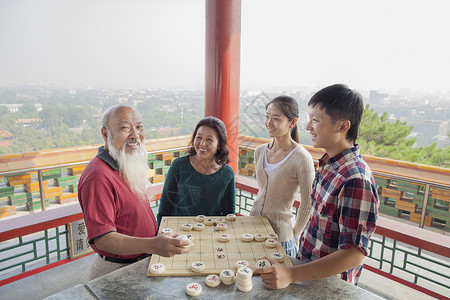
column 48, row 282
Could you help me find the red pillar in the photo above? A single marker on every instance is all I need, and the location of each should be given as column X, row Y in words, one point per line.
column 222, row 74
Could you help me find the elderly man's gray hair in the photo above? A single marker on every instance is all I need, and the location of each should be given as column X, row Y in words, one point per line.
column 109, row 111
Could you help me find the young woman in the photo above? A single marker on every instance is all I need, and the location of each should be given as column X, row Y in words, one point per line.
column 201, row 183
column 283, row 166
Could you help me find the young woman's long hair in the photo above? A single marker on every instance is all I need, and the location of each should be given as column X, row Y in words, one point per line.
column 289, row 107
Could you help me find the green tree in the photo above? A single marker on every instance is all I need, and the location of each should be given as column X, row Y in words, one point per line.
column 3, row 111
column 4, row 150
column 379, row 137
column 50, row 116
column 91, row 136
column 29, row 109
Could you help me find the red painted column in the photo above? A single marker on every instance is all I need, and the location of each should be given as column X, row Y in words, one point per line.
column 222, row 74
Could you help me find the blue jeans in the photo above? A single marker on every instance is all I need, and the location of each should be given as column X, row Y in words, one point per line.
column 290, row 247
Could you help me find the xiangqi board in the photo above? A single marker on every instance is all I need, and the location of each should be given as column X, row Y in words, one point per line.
column 208, row 248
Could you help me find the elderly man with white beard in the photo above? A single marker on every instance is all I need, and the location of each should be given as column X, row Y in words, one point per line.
column 113, row 196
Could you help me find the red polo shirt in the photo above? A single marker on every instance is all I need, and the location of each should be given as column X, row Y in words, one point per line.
column 109, row 205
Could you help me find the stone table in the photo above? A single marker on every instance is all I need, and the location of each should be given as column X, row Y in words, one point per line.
column 131, row 282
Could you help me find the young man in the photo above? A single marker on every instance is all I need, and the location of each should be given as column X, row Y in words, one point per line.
column 113, row 196
column 344, row 196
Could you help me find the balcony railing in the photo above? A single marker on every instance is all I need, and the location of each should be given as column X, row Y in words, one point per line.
column 416, row 257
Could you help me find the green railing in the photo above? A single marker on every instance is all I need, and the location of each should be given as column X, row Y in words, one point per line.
column 244, row 202
column 408, row 197
column 26, row 253
column 420, row 267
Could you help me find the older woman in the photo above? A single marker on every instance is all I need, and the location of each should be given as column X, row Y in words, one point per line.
column 201, row 183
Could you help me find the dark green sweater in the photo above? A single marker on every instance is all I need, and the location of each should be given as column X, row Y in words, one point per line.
column 187, row 192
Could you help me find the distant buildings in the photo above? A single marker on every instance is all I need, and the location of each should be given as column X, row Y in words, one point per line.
column 427, row 114
column 378, row 98
column 5, row 138
column 6, row 135
column 12, row 107
column 27, row 122
column 16, row 107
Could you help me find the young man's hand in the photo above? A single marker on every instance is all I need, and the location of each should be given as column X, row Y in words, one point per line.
column 275, row 277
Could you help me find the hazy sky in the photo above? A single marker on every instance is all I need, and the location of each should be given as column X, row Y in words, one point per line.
column 382, row 44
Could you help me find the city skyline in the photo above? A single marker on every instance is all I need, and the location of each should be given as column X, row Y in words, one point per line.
column 385, row 45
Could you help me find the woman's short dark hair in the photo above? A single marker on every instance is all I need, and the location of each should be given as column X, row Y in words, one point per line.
column 221, row 156
column 340, row 102
column 289, row 107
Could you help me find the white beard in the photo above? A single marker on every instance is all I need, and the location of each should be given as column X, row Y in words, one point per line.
column 133, row 168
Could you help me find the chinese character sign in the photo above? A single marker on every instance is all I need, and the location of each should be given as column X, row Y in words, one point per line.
column 78, row 239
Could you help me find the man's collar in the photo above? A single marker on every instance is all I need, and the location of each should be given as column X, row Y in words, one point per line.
column 103, row 154
column 341, row 158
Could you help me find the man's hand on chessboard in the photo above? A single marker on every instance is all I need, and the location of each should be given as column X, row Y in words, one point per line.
column 276, row 276
column 168, row 245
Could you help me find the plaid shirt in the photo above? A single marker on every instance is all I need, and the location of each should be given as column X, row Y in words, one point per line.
column 344, row 209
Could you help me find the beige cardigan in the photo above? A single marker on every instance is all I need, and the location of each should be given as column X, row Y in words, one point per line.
column 277, row 191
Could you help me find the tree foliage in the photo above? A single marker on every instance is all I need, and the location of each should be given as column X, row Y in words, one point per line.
column 72, row 122
column 379, row 137
column 55, row 131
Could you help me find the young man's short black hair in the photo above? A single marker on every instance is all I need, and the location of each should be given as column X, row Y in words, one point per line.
column 340, row 103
